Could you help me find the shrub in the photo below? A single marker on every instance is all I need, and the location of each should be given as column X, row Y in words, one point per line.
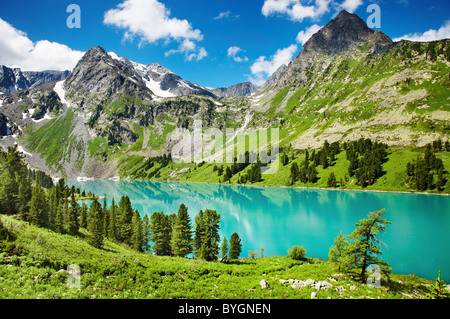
column 297, row 252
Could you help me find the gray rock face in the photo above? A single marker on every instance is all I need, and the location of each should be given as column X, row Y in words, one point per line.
column 273, row 79
column 98, row 77
column 240, row 89
column 12, row 80
column 38, row 78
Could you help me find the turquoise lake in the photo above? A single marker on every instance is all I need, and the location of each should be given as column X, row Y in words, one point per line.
column 276, row 218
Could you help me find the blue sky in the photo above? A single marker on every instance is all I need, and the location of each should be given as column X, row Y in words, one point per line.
column 212, row 43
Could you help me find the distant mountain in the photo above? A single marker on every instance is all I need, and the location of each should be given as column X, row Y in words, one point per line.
column 14, row 79
column 38, row 78
column 110, row 114
column 240, row 89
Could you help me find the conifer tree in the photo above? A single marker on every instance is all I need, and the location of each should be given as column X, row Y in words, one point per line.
column 364, row 247
column 9, row 189
column 146, row 233
column 38, row 207
column 73, row 215
column 112, row 230
column 125, row 215
column 136, row 238
column 332, row 180
column 224, row 247
column 105, row 213
column 235, row 246
column 182, row 234
column 84, row 216
column 59, row 219
column 161, row 233
column 95, row 225
column 338, row 251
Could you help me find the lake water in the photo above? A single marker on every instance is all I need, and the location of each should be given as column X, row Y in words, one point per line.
column 276, row 218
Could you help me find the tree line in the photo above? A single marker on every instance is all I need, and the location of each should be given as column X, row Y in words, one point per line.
column 57, row 208
column 366, row 160
column 307, row 171
column 174, row 235
column 428, row 172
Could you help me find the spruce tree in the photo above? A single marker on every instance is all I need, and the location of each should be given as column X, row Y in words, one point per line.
column 224, row 247
column 84, row 216
column 105, row 213
column 112, row 229
column 146, row 233
column 137, row 236
column 161, row 233
column 74, row 215
column 38, row 207
column 235, row 246
column 125, row 215
column 338, row 251
column 182, row 234
column 59, row 219
column 95, row 225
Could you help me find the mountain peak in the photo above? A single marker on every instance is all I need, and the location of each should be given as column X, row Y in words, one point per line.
column 342, row 34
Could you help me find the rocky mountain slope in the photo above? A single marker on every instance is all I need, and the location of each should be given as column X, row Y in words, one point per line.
column 348, row 82
column 14, row 79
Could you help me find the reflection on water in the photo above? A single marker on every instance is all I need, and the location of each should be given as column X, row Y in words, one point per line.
column 276, row 218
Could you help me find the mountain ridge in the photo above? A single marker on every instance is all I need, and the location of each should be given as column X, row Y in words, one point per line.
column 396, row 93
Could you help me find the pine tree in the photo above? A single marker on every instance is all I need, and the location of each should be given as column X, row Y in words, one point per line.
column 438, row 290
column 38, row 207
column 125, row 216
column 161, row 233
column 24, row 195
column 95, row 225
column 136, row 238
column 200, row 233
column 9, row 189
column 112, row 229
column 74, row 215
column 224, row 247
column 182, row 234
column 59, row 219
column 364, row 247
column 332, row 180
column 206, row 239
column 105, row 213
column 84, row 216
column 337, row 252
column 235, row 246
column 146, row 233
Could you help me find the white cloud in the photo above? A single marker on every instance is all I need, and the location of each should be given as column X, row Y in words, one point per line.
column 295, row 10
column 304, row 36
column 17, row 50
column 190, row 50
column 430, row 35
column 226, row 14
column 351, row 5
column 150, row 21
column 263, row 68
column 233, row 52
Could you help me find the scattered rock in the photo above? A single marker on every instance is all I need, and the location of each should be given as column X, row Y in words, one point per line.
column 353, row 287
column 252, row 290
column 313, row 295
column 264, row 284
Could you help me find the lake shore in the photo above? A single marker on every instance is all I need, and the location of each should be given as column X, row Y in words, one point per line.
column 295, row 187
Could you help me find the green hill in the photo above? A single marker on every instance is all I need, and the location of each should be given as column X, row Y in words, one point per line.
column 36, row 259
